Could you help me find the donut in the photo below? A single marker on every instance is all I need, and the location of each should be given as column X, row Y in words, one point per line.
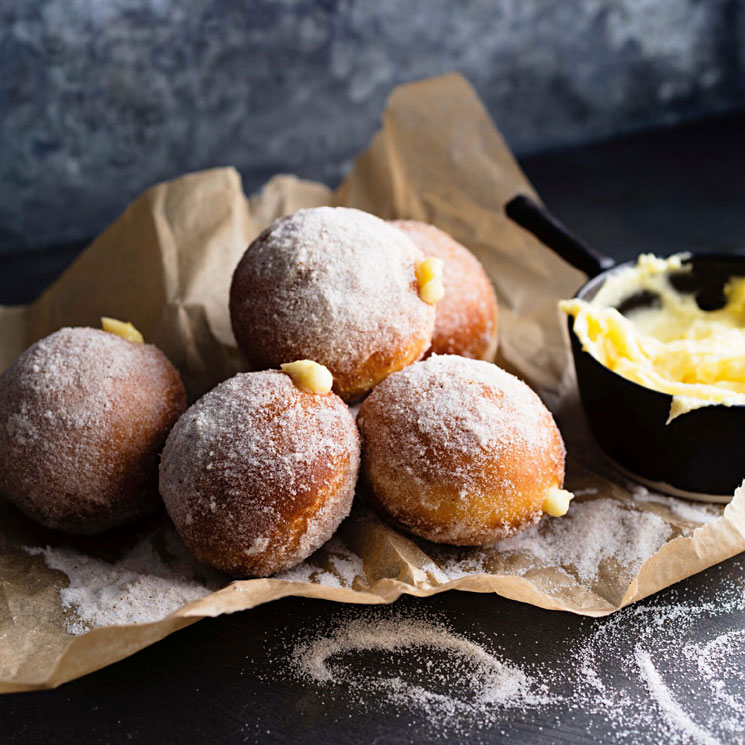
column 459, row 451
column 337, row 286
column 466, row 318
column 259, row 473
column 84, row 415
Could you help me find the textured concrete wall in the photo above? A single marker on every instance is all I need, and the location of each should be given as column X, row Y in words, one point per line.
column 100, row 98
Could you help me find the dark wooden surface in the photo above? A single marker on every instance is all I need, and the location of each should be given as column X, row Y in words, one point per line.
column 224, row 680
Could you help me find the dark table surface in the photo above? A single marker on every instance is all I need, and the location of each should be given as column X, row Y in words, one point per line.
column 224, row 681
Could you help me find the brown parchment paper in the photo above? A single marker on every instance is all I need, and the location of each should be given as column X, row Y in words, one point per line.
column 166, row 265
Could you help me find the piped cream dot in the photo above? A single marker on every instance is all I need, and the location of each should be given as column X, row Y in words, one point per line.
column 429, row 280
column 309, row 376
column 556, row 502
column 121, row 328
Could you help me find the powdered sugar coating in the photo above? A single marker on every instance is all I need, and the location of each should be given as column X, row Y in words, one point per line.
column 258, row 474
column 466, row 318
column 459, row 451
column 334, row 285
column 83, row 417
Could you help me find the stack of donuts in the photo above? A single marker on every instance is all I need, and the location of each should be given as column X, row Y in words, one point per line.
column 330, row 307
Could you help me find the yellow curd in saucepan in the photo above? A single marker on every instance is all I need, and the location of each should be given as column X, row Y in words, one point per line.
column 696, row 356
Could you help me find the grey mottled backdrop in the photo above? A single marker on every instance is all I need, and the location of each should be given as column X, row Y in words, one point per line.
column 100, row 98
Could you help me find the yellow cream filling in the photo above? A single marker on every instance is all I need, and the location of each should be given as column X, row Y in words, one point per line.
column 556, row 502
column 121, row 328
column 697, row 356
column 429, row 280
column 309, row 376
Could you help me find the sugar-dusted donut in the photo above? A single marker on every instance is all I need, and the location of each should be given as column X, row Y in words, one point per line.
column 466, row 318
column 459, row 451
column 259, row 473
column 84, row 415
column 337, row 286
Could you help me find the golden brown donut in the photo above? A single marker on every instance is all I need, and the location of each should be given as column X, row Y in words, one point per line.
column 459, row 451
column 84, row 415
column 466, row 318
column 258, row 473
column 334, row 285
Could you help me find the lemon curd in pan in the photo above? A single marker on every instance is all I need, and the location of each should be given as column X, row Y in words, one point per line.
column 668, row 344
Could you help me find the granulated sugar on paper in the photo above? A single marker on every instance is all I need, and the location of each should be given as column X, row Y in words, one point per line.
column 580, row 543
column 592, row 533
column 341, row 567
column 142, row 586
column 695, row 512
column 442, row 679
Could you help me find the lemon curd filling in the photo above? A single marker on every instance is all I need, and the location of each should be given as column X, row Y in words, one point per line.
column 672, row 345
column 429, row 280
column 121, row 328
column 556, row 502
column 309, row 376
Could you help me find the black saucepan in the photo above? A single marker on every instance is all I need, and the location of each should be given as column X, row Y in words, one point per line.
column 700, row 455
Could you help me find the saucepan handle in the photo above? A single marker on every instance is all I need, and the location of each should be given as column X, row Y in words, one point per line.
column 543, row 225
